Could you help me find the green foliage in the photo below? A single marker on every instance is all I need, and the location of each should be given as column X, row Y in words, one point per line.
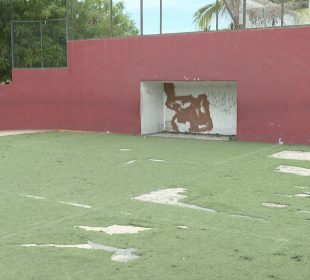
column 27, row 44
column 55, row 45
column 205, row 14
column 90, row 19
column 5, row 51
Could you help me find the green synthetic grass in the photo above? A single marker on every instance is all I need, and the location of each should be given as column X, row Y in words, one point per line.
column 230, row 177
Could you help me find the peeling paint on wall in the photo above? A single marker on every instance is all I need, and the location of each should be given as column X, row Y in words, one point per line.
column 220, row 108
column 194, row 110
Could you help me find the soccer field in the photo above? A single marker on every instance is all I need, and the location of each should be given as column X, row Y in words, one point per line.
column 210, row 210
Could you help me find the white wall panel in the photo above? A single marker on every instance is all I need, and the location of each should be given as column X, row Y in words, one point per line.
column 152, row 107
column 222, row 96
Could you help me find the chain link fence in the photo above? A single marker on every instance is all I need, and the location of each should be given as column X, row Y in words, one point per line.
column 296, row 12
column 89, row 19
column 115, row 18
column 39, row 43
column 248, row 14
column 263, row 14
column 42, row 43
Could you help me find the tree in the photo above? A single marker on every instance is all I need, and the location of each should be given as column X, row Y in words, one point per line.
column 5, row 51
column 205, row 14
column 27, row 47
column 90, row 19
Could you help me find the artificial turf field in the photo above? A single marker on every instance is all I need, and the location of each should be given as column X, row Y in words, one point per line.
column 89, row 168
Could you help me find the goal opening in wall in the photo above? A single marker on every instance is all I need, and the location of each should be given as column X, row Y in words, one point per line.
column 194, row 107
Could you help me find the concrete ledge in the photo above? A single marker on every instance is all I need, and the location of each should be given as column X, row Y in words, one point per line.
column 193, row 136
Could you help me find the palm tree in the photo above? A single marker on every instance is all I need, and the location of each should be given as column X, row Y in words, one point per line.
column 204, row 15
column 233, row 8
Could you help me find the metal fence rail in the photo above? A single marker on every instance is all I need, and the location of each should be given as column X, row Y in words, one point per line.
column 224, row 15
column 42, row 43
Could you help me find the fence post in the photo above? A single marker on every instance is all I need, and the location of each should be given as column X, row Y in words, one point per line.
column 282, row 13
column 72, row 20
column 67, row 21
column 161, row 16
column 12, row 44
column 41, row 36
column 244, row 14
column 141, row 17
column 217, row 17
column 111, row 18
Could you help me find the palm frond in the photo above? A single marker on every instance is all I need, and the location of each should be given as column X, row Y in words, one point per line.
column 203, row 16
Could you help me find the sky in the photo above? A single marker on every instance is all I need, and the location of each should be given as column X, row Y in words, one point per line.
column 177, row 14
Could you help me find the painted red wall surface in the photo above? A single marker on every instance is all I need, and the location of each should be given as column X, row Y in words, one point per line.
column 100, row 90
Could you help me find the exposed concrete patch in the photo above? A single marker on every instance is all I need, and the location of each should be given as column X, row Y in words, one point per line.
column 32, row 196
column 296, row 155
column 274, row 205
column 191, row 136
column 248, row 217
column 120, row 255
column 183, row 227
column 129, row 162
column 125, row 150
column 284, row 195
column 17, row 132
column 304, row 211
column 298, row 187
column 115, row 229
column 78, row 246
column 170, row 196
column 304, row 194
column 156, row 160
column 293, row 170
column 75, row 204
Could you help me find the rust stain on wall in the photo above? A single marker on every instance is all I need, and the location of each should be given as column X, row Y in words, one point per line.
column 194, row 110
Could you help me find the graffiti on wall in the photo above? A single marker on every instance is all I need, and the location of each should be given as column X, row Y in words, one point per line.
column 188, row 109
column 223, row 101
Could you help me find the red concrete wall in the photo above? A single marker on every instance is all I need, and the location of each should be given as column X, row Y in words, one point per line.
column 100, row 90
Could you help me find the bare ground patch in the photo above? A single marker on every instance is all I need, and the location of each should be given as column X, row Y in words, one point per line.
column 75, row 204
column 119, row 254
column 129, row 162
column 303, row 195
column 170, row 196
column 115, row 229
column 299, row 187
column 274, row 205
column 32, row 196
column 183, row 227
column 295, row 155
column 304, row 211
column 293, row 170
column 156, row 160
